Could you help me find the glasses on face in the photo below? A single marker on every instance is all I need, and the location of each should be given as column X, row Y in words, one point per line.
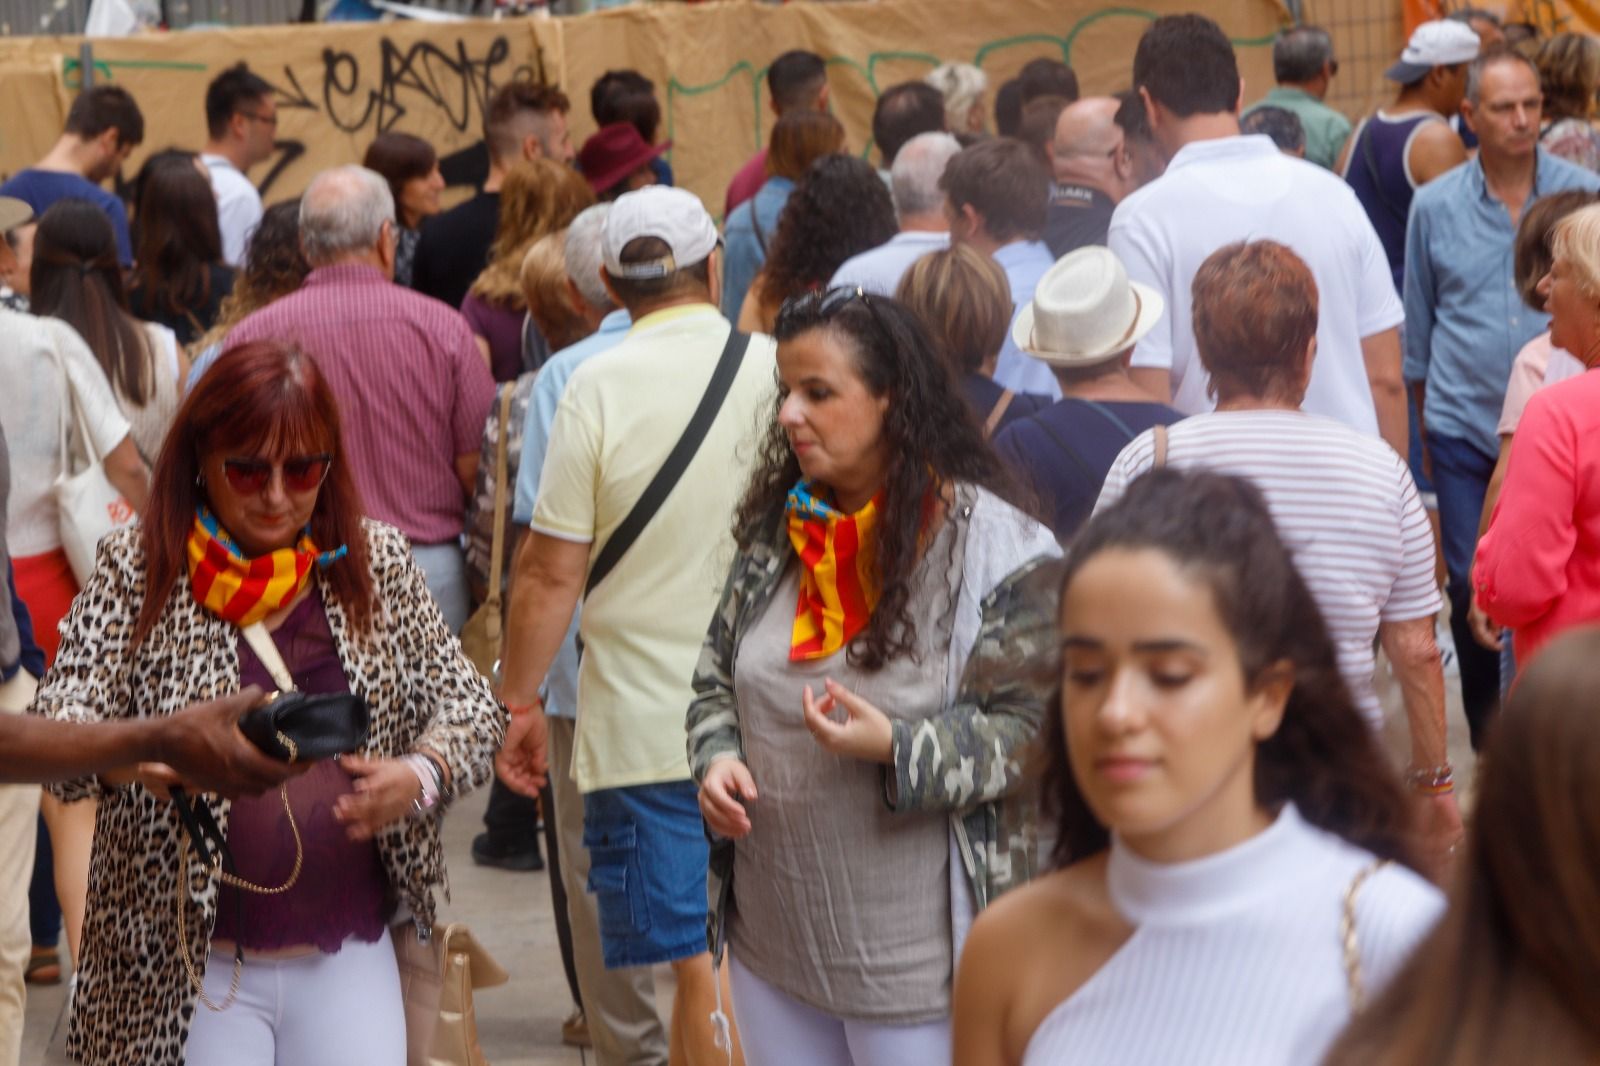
column 301, row 473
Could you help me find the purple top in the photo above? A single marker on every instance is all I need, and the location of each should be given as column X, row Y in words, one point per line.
column 342, row 891
column 502, row 328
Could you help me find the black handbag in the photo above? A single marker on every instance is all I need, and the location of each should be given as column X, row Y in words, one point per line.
column 297, row 727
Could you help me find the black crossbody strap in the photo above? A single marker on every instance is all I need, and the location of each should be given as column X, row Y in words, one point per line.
column 677, row 461
column 203, row 831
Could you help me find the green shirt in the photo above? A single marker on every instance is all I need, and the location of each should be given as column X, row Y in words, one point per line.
column 1326, row 129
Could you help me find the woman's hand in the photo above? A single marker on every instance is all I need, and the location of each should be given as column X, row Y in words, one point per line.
column 726, row 789
column 865, row 733
column 1484, row 631
column 385, row 792
column 1440, row 832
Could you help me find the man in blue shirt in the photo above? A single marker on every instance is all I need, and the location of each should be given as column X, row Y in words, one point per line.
column 1465, row 322
column 103, row 127
column 618, row 1005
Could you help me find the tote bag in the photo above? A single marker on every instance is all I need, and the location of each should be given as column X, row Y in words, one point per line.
column 88, row 506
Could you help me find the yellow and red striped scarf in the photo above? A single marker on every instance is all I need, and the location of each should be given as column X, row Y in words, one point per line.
column 838, row 572
column 241, row 590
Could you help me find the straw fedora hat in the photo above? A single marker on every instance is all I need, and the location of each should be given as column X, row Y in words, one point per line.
column 1085, row 311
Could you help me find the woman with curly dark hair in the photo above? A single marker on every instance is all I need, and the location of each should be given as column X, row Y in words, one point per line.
column 840, row 208
column 274, row 267
column 1233, row 851
column 881, row 598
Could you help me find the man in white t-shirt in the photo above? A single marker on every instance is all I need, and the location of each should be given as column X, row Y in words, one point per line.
column 241, row 123
column 1343, row 502
column 643, row 623
column 1221, row 187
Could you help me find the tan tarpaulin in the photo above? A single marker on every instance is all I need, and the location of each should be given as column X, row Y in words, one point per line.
column 341, row 85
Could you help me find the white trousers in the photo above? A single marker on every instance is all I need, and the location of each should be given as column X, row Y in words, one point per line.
column 772, row 1026
column 19, row 815
column 320, row 1010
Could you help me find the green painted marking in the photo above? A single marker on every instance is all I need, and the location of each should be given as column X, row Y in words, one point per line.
column 106, row 68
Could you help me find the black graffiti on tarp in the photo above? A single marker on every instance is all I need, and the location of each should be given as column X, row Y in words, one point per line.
column 458, row 83
column 289, row 152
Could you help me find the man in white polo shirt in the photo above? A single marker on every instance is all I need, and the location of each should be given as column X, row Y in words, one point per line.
column 1221, row 187
column 620, row 416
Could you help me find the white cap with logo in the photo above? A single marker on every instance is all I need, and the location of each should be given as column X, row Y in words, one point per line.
column 674, row 216
column 1441, row 43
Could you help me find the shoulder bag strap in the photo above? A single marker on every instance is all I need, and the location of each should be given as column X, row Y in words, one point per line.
column 683, row 452
column 1161, row 447
column 261, row 643
column 1347, row 935
column 497, row 542
column 997, row 412
column 1111, row 416
column 1071, row 452
column 755, row 224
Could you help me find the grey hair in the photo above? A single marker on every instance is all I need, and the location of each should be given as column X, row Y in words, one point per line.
column 1489, row 59
column 342, row 211
column 1577, row 241
column 962, row 86
column 1300, row 53
column 583, row 256
column 914, row 177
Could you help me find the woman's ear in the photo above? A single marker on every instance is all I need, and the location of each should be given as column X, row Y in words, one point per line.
column 1270, row 698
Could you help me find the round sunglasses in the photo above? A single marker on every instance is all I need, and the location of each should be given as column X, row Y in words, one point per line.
column 301, row 473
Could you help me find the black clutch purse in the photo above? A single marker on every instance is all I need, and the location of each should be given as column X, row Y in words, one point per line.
column 298, row 727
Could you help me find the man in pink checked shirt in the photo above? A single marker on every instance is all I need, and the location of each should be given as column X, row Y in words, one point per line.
column 412, row 387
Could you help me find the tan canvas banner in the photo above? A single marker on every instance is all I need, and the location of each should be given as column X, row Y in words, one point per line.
column 339, row 86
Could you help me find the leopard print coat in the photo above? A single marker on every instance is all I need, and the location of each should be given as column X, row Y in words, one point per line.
column 134, row 1001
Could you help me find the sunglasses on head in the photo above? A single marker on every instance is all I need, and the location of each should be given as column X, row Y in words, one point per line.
column 819, row 305
column 301, row 473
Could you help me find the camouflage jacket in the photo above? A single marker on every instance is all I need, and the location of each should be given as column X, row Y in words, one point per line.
column 967, row 760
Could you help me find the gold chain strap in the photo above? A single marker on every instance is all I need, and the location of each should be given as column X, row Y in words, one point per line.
column 236, row 882
column 1347, row 936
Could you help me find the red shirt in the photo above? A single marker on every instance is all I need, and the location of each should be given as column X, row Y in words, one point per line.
column 746, row 183
column 1537, row 568
column 412, row 387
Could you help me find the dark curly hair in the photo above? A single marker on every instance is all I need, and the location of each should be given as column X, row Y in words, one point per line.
column 1323, row 757
column 928, row 432
column 839, row 208
column 274, row 266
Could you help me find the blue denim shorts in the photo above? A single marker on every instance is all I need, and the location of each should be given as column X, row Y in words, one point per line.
column 647, row 870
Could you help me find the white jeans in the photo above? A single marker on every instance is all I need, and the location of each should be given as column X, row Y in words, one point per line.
column 772, row 1026
column 19, row 814
column 320, row 1010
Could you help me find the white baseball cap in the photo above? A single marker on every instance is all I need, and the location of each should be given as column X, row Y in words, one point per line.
column 1440, row 43
column 669, row 214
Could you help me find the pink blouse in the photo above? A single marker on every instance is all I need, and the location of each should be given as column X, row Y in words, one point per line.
column 1537, row 568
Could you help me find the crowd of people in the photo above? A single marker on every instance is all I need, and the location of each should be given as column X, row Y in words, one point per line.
column 1111, row 462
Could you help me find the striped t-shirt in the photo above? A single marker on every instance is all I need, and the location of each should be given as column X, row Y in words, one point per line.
column 1344, row 504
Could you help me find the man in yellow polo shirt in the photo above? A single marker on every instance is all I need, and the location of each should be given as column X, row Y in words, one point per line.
column 643, row 623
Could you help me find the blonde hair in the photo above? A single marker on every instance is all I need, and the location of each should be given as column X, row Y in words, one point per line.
column 1577, row 243
column 543, row 279
column 539, row 197
column 963, row 300
column 962, row 85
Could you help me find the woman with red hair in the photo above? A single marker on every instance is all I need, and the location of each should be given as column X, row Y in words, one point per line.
column 254, row 518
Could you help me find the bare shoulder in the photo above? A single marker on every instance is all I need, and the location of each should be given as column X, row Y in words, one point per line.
column 1040, row 943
